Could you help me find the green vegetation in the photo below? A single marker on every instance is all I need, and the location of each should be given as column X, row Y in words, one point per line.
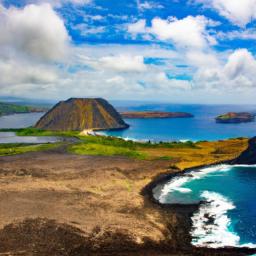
column 7, row 109
column 104, row 150
column 37, row 132
column 108, row 146
column 102, row 140
column 19, row 148
column 30, row 131
column 102, row 145
column 224, row 117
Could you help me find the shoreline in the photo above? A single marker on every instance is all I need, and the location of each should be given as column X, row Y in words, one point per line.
column 188, row 210
column 48, row 228
column 175, row 219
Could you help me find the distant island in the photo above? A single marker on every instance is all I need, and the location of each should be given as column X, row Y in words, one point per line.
column 9, row 109
column 155, row 114
column 82, row 114
column 233, row 117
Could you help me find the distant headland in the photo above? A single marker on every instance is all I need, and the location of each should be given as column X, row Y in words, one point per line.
column 155, row 114
column 9, row 109
column 233, row 117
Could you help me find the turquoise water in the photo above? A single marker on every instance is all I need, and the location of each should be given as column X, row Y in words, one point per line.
column 229, row 213
column 201, row 127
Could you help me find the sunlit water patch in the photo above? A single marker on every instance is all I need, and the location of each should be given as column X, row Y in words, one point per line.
column 11, row 137
column 228, row 212
column 19, row 120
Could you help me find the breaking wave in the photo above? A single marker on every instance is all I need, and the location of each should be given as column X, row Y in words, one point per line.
column 211, row 224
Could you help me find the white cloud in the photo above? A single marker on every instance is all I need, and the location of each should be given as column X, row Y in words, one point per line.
column 147, row 5
column 78, row 2
column 138, row 27
column 37, row 64
column 238, row 73
column 201, row 59
column 22, row 72
column 164, row 82
column 59, row 3
column 241, row 34
column 241, row 63
column 35, row 30
column 187, row 32
column 116, row 80
column 239, row 12
column 85, row 29
column 93, row 17
column 123, row 63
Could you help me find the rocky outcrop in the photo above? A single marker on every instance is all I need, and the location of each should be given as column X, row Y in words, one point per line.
column 78, row 114
column 233, row 117
column 249, row 155
column 155, row 114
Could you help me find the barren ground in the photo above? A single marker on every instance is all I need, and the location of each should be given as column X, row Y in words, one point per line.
column 55, row 203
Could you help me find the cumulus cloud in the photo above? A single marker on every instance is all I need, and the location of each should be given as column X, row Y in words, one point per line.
column 138, row 27
column 241, row 63
column 201, row 59
column 35, row 30
column 239, row 12
column 187, row 32
column 123, row 63
column 165, row 83
column 237, row 73
column 33, row 60
column 17, row 72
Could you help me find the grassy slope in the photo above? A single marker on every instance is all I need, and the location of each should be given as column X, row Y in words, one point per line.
column 100, row 145
column 19, row 148
column 182, row 155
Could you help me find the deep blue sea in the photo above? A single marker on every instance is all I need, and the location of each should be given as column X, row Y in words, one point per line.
column 227, row 218
column 201, row 127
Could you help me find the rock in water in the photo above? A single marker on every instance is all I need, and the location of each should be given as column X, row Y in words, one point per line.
column 233, row 118
column 78, row 114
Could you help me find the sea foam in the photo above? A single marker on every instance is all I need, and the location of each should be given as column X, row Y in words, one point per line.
column 177, row 183
column 211, row 224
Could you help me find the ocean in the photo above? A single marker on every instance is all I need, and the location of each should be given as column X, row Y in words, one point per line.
column 201, row 127
column 227, row 216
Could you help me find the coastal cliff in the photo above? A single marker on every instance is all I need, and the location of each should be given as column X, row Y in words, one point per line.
column 155, row 114
column 232, row 117
column 249, row 155
column 78, row 114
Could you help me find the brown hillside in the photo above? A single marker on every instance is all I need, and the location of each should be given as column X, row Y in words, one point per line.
column 80, row 114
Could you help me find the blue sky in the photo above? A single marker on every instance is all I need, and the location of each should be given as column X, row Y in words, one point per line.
column 195, row 51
